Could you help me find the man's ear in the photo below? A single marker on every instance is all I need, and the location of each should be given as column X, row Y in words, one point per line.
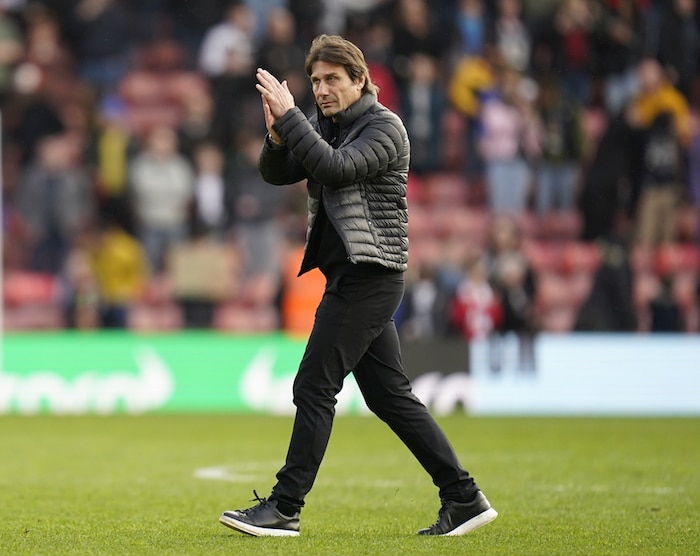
column 361, row 82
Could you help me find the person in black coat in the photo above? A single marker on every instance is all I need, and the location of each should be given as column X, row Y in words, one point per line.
column 355, row 155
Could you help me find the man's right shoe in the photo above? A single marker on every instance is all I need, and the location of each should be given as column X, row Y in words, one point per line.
column 460, row 518
column 262, row 520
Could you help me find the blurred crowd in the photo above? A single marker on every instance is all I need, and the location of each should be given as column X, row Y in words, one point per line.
column 555, row 173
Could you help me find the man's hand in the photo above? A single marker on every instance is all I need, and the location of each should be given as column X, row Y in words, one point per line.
column 276, row 99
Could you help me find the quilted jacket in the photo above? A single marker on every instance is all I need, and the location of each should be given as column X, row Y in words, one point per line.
column 361, row 163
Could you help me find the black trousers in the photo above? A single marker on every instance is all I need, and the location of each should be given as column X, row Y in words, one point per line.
column 354, row 332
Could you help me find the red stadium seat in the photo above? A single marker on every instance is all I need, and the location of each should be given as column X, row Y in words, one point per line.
column 29, row 288
column 577, row 256
column 237, row 317
column 446, row 188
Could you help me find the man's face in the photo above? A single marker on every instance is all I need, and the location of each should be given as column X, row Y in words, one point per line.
column 333, row 89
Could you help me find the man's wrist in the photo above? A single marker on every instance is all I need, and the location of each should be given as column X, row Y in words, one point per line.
column 274, row 144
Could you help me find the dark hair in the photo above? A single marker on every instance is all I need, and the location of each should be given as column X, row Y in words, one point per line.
column 334, row 49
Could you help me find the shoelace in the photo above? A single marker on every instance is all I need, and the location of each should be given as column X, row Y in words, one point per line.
column 261, row 503
column 442, row 510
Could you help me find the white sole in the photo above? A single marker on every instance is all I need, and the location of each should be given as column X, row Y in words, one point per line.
column 249, row 529
column 484, row 518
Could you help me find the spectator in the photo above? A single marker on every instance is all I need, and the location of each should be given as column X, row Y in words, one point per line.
column 656, row 95
column 281, row 55
column 300, row 295
column 377, row 46
column 514, row 282
column 254, row 209
column 100, row 31
column 210, row 190
column 45, row 47
column 606, row 181
column 508, row 143
column 236, row 104
column 112, row 146
column 609, row 306
column 472, row 28
column 620, row 43
column 11, row 50
column 424, row 312
column 661, row 184
column 121, row 270
column 470, row 83
column 564, row 44
column 279, row 50
column 260, row 10
column 665, row 312
column 561, row 147
column 414, row 33
column 422, row 106
column 510, row 35
column 162, row 189
column 203, row 273
column 54, row 197
column 475, row 310
column 516, row 293
column 80, row 294
column 233, row 35
column 678, row 43
column 306, row 14
column 37, row 114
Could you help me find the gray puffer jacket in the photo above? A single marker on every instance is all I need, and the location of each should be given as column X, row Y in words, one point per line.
column 363, row 178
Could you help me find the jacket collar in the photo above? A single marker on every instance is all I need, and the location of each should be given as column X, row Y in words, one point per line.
column 351, row 113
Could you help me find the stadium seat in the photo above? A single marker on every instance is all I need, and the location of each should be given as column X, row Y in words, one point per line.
column 144, row 317
column 155, row 309
column 579, row 257
column 32, row 317
column 558, row 320
column 553, row 291
column 470, row 224
column 674, row 258
column 420, row 221
column 559, row 226
column 542, row 256
column 29, row 288
column 446, row 188
column 239, row 317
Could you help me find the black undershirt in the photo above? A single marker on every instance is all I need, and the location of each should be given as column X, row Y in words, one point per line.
column 326, row 247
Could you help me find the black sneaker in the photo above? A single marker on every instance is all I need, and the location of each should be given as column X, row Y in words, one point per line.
column 460, row 518
column 262, row 520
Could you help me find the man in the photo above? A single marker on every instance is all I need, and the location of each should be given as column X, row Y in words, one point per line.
column 355, row 155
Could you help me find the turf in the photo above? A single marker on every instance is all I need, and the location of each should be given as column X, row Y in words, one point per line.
column 156, row 485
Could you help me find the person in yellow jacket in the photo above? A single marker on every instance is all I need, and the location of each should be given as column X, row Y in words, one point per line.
column 472, row 77
column 121, row 270
column 656, row 96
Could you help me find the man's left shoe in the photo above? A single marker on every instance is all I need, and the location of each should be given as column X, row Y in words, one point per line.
column 460, row 518
column 262, row 520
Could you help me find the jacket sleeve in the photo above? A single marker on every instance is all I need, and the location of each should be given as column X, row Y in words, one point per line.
column 374, row 150
column 278, row 165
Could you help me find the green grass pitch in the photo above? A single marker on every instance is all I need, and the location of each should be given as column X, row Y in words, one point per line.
column 156, row 484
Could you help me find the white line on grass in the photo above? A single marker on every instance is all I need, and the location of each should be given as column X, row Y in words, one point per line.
column 616, row 488
column 245, row 473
